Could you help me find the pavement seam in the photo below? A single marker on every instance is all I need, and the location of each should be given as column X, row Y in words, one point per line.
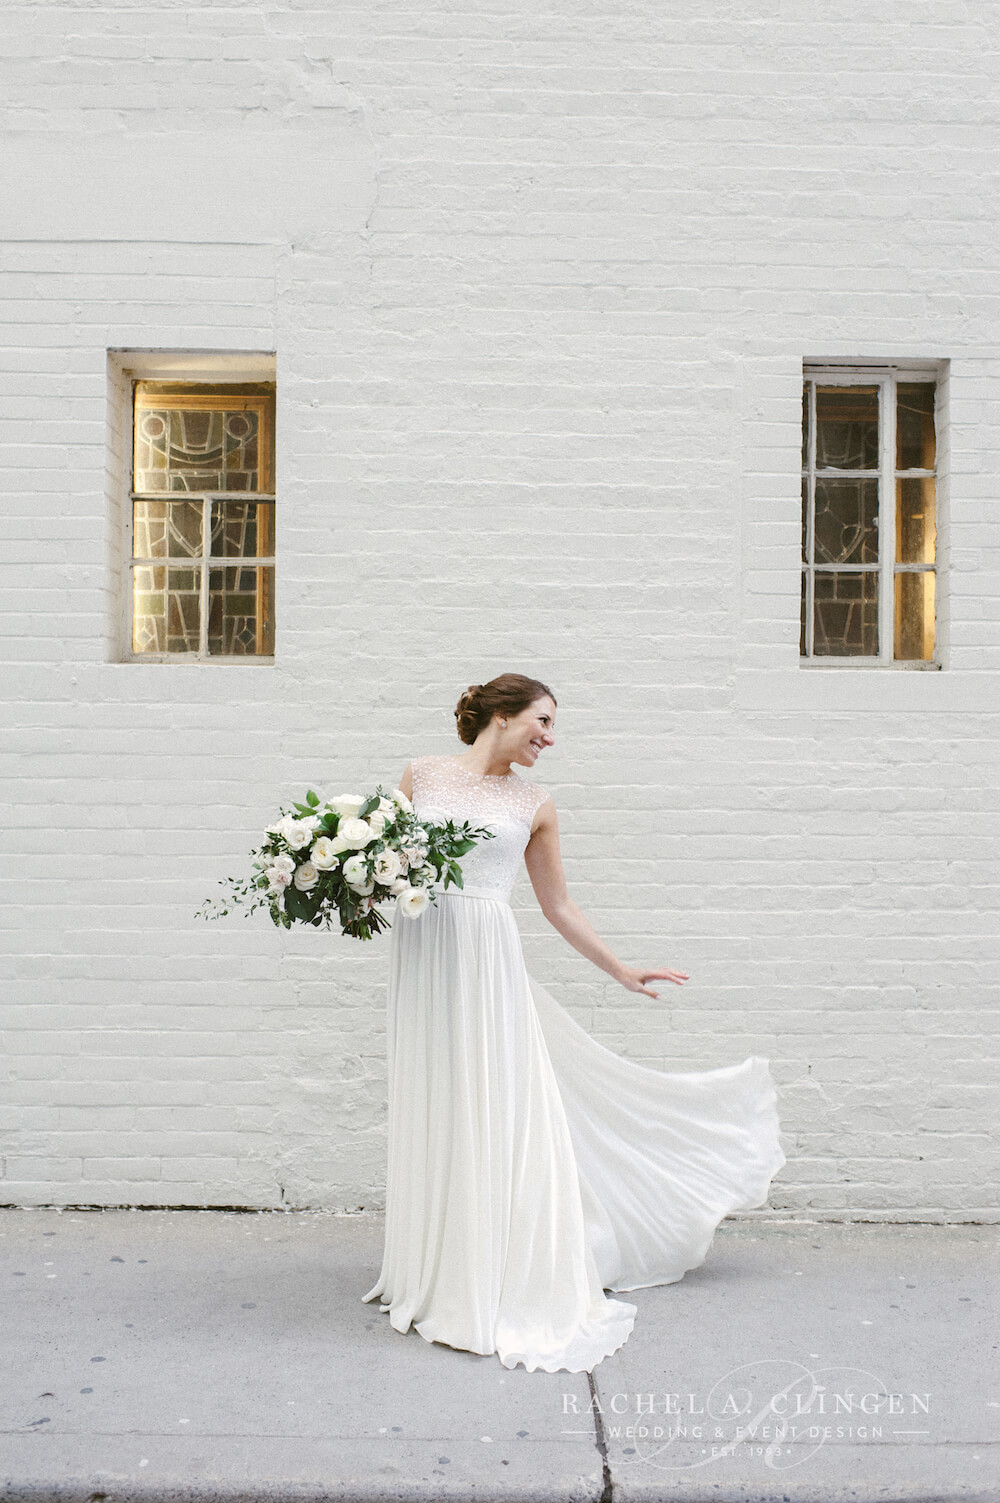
column 608, row 1492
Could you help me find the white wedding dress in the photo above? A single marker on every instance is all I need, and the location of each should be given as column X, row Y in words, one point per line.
column 529, row 1167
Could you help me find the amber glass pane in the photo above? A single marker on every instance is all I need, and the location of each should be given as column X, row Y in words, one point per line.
column 202, row 438
column 914, row 615
column 915, row 443
column 915, row 530
column 166, row 609
column 166, row 529
column 846, row 522
column 241, row 611
column 242, row 529
column 845, row 614
column 847, row 427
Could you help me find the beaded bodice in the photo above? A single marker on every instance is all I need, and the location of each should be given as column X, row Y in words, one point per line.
column 443, row 789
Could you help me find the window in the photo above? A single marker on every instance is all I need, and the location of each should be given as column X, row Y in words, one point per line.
column 202, row 509
column 869, row 526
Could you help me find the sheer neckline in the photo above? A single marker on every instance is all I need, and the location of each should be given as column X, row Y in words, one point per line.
column 493, row 777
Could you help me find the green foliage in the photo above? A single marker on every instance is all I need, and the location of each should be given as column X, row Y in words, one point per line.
column 331, row 901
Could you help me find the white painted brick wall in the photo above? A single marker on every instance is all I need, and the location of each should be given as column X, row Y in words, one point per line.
column 539, row 286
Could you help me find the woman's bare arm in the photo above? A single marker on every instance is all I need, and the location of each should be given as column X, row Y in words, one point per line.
column 405, row 784
column 544, row 862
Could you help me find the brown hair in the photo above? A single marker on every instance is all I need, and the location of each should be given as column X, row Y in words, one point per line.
column 507, row 695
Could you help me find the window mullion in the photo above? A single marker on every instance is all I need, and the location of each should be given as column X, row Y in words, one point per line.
column 887, row 518
column 206, row 543
column 810, row 606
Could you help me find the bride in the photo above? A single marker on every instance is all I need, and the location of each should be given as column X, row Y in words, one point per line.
column 531, row 1169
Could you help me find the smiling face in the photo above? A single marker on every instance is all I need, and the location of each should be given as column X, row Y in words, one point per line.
column 530, row 732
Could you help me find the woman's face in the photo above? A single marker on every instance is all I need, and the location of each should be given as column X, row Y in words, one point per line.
column 530, row 732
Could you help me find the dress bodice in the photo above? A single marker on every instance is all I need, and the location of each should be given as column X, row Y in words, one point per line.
column 444, row 789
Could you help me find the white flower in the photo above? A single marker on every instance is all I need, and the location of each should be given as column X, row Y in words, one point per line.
column 347, row 805
column 400, row 885
column 325, row 852
column 387, row 867
column 377, row 820
column 278, row 881
column 401, row 801
column 412, row 901
column 298, row 832
column 283, row 863
column 356, row 871
column 357, row 833
column 423, row 874
column 414, row 854
column 307, row 876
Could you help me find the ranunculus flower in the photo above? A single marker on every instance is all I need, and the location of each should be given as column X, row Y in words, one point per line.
column 356, row 871
column 377, row 820
column 284, row 863
column 278, row 880
column 346, row 805
column 357, row 833
column 387, row 867
column 412, row 901
column 400, row 885
column 325, row 852
column 307, row 876
column 298, row 832
column 414, row 854
column 401, row 801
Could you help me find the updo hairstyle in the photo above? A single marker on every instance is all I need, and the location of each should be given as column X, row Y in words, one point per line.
column 507, row 695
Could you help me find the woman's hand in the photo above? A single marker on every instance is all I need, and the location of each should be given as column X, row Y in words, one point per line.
column 634, row 980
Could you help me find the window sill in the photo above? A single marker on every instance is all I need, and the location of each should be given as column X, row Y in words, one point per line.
column 191, row 659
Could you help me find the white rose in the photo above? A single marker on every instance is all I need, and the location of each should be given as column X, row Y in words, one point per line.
column 298, row 832
column 347, row 805
column 278, row 881
column 400, row 885
column 412, row 902
column 401, row 801
column 307, row 876
column 356, row 870
column 387, row 867
column 357, row 833
column 325, row 852
column 283, row 863
column 414, row 855
column 377, row 820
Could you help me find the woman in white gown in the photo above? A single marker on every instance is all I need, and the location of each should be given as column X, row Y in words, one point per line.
column 529, row 1167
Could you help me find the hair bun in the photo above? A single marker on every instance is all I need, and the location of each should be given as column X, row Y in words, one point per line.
column 507, row 695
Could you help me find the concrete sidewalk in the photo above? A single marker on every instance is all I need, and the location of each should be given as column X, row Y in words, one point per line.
column 155, row 1355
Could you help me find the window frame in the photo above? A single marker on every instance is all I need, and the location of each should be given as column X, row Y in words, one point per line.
column 195, row 377
column 887, row 376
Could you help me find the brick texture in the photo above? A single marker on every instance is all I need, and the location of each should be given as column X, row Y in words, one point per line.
column 539, row 286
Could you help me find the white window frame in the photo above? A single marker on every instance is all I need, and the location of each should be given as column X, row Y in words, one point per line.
column 886, row 377
column 200, row 367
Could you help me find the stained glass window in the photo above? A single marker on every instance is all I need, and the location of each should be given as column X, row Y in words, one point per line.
column 868, row 516
column 203, row 520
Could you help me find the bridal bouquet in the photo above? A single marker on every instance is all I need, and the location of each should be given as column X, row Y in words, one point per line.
column 338, row 860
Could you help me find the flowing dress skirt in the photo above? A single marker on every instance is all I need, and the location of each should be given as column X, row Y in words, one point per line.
column 530, row 1168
